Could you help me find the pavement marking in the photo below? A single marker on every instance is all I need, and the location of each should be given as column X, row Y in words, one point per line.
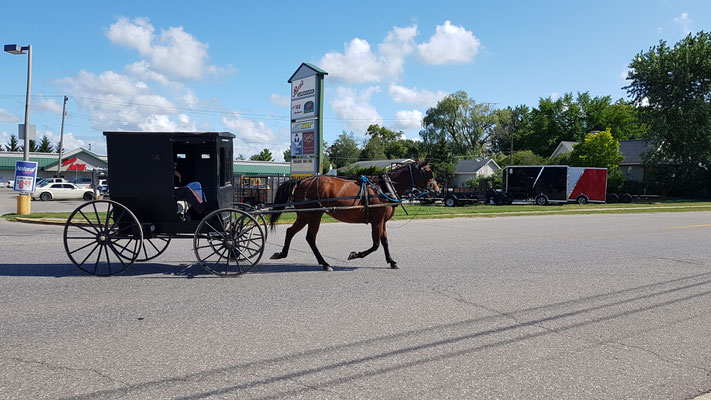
column 689, row 226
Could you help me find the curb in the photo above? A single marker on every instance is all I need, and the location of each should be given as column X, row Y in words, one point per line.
column 42, row 221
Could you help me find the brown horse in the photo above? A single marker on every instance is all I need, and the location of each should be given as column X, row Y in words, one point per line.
column 366, row 197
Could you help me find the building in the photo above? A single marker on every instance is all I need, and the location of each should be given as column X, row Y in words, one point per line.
column 472, row 169
column 633, row 151
column 76, row 164
column 261, row 168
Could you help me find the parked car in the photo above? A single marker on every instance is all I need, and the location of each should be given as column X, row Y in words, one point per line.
column 47, row 181
column 103, row 186
column 10, row 184
column 62, row 191
column 82, row 182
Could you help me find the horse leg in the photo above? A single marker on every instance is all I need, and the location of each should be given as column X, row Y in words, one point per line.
column 376, row 232
column 384, row 242
column 300, row 223
column 314, row 224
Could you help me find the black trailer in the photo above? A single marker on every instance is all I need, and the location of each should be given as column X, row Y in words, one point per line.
column 545, row 184
column 104, row 237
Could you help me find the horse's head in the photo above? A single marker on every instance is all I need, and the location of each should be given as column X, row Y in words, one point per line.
column 422, row 176
column 416, row 175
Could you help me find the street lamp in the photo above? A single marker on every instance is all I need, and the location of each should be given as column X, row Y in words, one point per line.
column 23, row 201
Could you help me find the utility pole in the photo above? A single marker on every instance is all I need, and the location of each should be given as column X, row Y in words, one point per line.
column 61, row 138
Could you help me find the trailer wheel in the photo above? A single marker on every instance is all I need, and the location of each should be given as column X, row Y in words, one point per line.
column 509, row 198
column 499, row 199
column 582, row 199
column 612, row 198
column 541, row 200
column 450, row 201
column 626, row 198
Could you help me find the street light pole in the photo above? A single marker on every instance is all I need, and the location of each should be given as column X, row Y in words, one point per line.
column 23, row 200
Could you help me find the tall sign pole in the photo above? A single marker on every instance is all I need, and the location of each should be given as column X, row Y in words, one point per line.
column 306, row 121
column 61, row 139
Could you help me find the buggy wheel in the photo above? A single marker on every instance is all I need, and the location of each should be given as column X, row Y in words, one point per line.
column 153, row 247
column 260, row 217
column 228, row 242
column 102, row 237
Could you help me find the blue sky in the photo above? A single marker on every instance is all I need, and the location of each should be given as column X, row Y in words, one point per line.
column 220, row 66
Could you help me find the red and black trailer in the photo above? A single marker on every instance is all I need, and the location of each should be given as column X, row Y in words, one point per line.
column 543, row 184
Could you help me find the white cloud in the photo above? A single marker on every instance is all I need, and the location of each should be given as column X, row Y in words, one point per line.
column 449, row 45
column 173, row 54
column 424, row 98
column 8, row 117
column 358, row 63
column 279, row 100
column 44, row 104
column 685, row 22
column 353, row 108
column 252, row 137
column 554, row 96
column 408, row 120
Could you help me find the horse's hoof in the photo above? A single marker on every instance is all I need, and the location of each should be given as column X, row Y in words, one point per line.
column 394, row 266
column 275, row 256
column 352, row 255
column 327, row 268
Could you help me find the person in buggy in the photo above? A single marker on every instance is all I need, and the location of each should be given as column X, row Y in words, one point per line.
column 188, row 196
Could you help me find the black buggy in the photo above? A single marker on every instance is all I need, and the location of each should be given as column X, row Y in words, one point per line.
column 104, row 237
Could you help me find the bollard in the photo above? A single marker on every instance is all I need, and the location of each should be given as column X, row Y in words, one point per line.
column 23, row 204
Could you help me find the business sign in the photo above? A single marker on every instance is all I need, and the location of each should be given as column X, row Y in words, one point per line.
column 25, row 176
column 304, row 135
column 306, row 126
column 305, row 87
column 303, row 108
column 300, row 166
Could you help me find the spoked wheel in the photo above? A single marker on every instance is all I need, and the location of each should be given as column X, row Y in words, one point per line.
column 153, row 247
column 102, row 237
column 250, row 209
column 228, row 242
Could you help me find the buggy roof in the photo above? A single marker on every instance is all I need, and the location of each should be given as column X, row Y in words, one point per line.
column 196, row 134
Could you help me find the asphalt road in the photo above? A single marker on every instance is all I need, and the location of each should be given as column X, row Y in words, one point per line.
column 545, row 307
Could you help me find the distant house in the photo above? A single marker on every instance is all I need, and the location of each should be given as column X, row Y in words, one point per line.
column 633, row 151
column 383, row 164
column 563, row 148
column 466, row 169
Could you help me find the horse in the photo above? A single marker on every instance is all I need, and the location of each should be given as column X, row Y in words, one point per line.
column 369, row 200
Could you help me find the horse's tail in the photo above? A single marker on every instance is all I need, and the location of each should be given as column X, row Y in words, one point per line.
column 283, row 195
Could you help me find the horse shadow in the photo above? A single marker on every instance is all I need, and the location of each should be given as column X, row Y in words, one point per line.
column 151, row 270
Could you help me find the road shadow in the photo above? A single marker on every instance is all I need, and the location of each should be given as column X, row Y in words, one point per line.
column 155, row 270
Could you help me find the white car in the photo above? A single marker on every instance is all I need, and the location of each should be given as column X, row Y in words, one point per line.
column 62, row 191
column 10, row 184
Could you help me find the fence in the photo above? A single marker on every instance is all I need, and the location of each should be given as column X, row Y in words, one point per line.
column 257, row 189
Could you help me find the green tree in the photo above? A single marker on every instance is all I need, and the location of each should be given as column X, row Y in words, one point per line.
column 673, row 88
column 374, row 149
column 45, row 146
column 597, row 150
column 13, row 144
column 240, row 157
column 33, row 147
column 344, row 150
column 264, row 155
column 287, row 155
column 461, row 121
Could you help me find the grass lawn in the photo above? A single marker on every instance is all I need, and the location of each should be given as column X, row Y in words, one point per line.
column 417, row 211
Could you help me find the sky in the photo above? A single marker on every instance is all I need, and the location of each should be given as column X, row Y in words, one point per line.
column 224, row 65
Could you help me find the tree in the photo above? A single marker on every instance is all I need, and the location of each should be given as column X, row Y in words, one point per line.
column 13, row 144
column 459, row 120
column 45, row 146
column 240, row 157
column 33, row 147
column 344, row 150
column 673, row 88
column 374, row 149
column 597, row 150
column 287, row 155
column 264, row 155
